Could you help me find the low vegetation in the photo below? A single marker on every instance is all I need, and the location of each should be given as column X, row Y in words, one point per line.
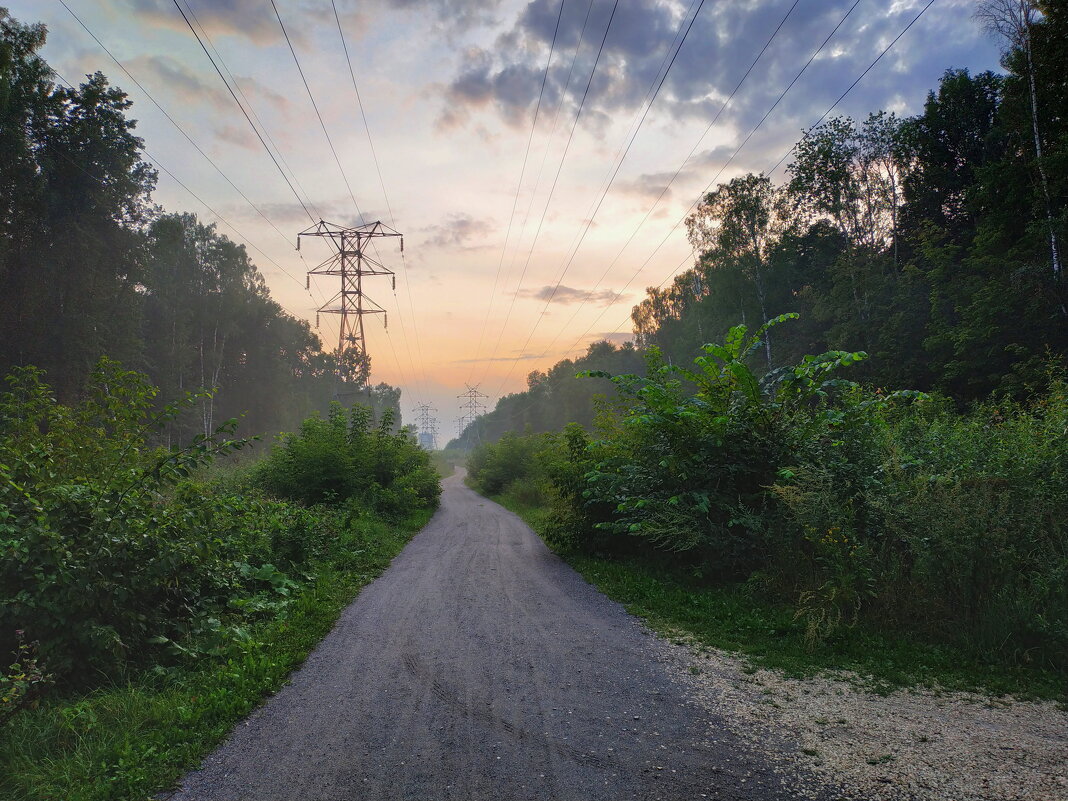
column 853, row 509
column 149, row 608
column 802, row 507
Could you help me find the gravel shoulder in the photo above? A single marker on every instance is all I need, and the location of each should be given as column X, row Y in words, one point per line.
column 481, row 666
column 910, row 744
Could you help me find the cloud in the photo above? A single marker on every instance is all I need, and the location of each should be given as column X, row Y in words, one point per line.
column 254, row 19
column 292, row 214
column 648, row 186
column 179, row 80
column 615, row 337
column 720, row 47
column 239, row 135
column 522, row 357
column 453, row 15
column 459, row 232
column 566, row 295
column 250, row 19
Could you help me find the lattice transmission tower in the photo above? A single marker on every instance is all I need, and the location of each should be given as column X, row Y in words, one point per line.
column 427, row 425
column 472, row 407
column 351, row 262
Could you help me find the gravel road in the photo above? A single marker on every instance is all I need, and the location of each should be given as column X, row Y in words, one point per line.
column 480, row 666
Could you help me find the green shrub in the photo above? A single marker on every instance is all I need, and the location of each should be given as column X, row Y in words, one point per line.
column 848, row 503
column 957, row 523
column 686, row 467
column 511, row 459
column 114, row 559
column 344, row 458
column 23, row 681
column 98, row 564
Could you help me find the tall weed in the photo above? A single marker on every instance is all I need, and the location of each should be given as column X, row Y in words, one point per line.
column 849, row 503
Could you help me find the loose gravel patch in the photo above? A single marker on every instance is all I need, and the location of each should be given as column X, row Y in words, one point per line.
column 915, row 744
column 480, row 667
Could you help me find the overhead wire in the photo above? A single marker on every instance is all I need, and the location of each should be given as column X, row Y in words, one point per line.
column 333, row 149
column 692, row 255
column 385, row 197
column 639, row 114
column 252, row 111
column 659, row 84
column 824, row 116
column 563, row 158
column 199, row 148
column 191, row 141
column 245, row 113
column 363, row 112
column 666, row 188
column 318, row 115
column 853, row 85
column 537, row 184
column 552, row 130
column 155, row 161
column 518, row 189
column 311, row 289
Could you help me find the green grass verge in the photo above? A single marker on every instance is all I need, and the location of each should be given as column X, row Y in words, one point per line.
column 128, row 742
column 732, row 619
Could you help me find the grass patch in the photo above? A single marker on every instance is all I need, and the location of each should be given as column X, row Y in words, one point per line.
column 128, row 742
column 732, row 619
column 445, row 462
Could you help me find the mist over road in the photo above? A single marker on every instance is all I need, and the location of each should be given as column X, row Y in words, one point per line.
column 481, row 666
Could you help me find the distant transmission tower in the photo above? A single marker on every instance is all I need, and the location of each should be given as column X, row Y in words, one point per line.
column 352, row 263
column 473, row 407
column 428, row 426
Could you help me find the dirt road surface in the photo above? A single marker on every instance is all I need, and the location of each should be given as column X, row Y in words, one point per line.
column 480, row 666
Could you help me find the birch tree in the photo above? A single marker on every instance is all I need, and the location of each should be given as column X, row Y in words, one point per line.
column 1011, row 21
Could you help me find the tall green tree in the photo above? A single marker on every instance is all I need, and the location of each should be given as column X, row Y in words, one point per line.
column 73, row 196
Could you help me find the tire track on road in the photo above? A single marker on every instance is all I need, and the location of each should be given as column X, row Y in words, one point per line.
column 480, row 666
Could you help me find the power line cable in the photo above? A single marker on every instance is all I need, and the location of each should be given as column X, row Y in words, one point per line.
column 685, row 161
column 337, row 159
column 552, row 131
column 382, row 183
column 639, row 113
column 255, row 130
column 318, row 115
column 537, row 183
column 252, row 110
column 619, row 163
column 853, row 85
column 363, row 112
column 518, row 189
column 155, row 161
column 188, row 138
column 559, row 169
column 278, row 151
column 785, row 156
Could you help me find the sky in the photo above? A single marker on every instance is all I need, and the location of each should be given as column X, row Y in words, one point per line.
column 493, row 167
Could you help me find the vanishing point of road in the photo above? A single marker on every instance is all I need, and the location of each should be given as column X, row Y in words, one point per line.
column 481, row 666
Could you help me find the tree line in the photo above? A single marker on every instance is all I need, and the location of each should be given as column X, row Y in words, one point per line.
column 934, row 243
column 931, row 242
column 91, row 267
column 853, row 406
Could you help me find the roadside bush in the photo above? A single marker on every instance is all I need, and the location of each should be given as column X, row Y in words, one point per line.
column 97, row 563
column 510, row 460
column 850, row 504
column 113, row 558
column 344, row 458
column 687, row 466
column 959, row 530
